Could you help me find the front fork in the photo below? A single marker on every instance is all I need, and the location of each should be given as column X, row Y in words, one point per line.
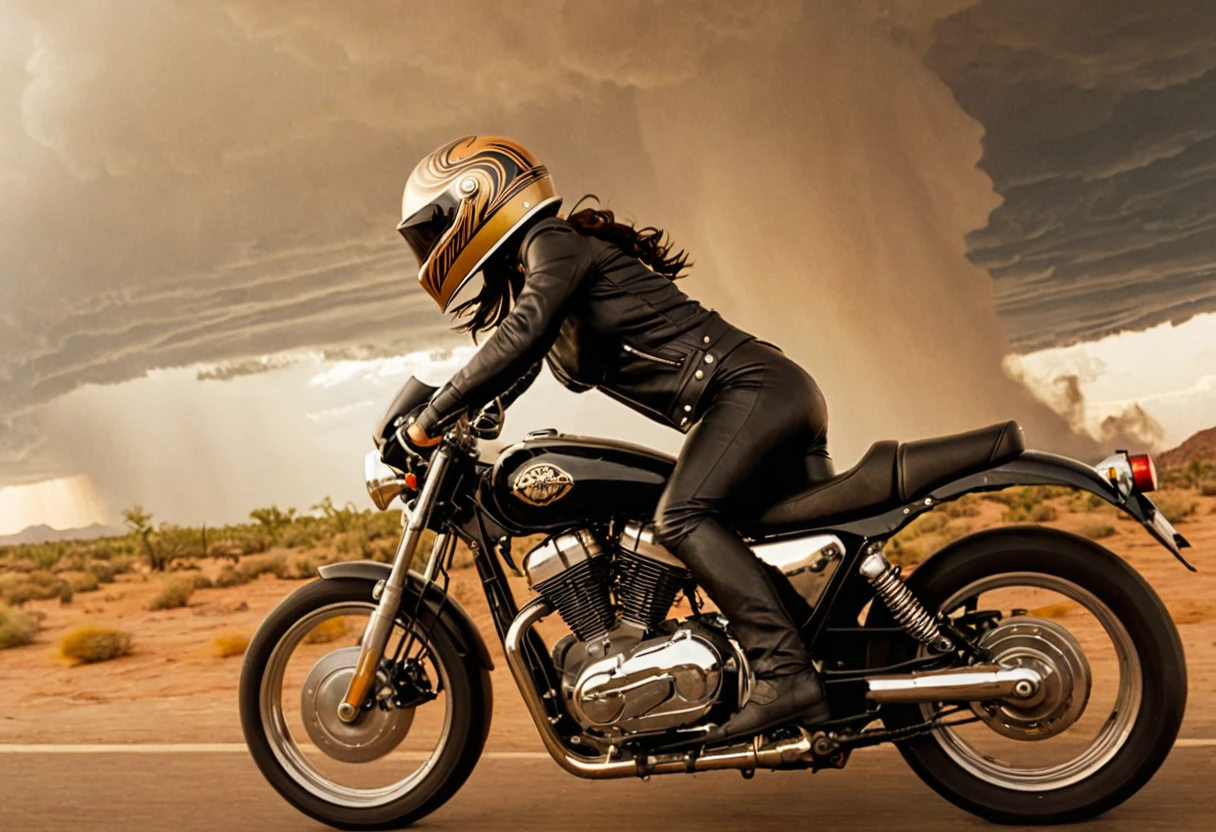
column 380, row 624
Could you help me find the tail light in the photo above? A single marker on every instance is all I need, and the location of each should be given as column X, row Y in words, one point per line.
column 1144, row 472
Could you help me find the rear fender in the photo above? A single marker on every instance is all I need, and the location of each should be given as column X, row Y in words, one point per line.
column 1038, row 468
column 1031, row 468
column 452, row 616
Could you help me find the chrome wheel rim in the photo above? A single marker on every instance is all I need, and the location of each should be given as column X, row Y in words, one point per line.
column 1113, row 733
column 292, row 757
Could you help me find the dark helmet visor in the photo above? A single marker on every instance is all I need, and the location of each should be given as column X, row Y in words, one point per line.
column 422, row 230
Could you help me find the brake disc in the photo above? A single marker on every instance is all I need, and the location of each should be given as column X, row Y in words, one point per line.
column 373, row 734
column 1054, row 653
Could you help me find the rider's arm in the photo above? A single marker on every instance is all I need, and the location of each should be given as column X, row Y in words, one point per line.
column 556, row 259
column 521, row 386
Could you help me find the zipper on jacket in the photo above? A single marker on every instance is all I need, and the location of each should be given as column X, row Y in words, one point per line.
column 658, row 359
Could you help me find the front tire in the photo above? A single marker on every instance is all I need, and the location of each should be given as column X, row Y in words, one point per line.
column 465, row 684
column 1058, row 559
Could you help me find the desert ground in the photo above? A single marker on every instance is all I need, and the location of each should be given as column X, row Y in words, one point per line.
column 175, row 688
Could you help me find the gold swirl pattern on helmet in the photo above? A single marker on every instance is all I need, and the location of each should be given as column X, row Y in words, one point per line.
column 508, row 184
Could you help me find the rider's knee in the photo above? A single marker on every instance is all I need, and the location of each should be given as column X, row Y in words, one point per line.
column 674, row 523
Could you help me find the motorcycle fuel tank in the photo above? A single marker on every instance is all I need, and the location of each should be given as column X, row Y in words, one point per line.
column 552, row 481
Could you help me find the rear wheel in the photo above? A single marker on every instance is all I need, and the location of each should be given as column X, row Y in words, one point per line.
column 400, row 760
column 1114, row 688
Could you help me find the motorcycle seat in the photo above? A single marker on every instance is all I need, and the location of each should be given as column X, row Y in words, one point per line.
column 892, row 474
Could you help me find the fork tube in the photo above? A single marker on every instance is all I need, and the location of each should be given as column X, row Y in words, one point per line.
column 439, row 555
column 380, row 623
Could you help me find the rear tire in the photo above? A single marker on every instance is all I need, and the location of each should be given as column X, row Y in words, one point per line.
column 1137, row 607
column 468, row 686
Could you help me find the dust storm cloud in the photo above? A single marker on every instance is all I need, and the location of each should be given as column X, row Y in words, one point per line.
column 188, row 184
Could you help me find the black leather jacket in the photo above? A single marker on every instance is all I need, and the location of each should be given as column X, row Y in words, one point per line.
column 602, row 320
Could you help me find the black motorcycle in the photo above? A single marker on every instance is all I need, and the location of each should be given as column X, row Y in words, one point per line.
column 1026, row 674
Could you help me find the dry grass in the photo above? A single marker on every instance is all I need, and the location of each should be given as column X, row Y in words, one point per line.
column 230, row 576
column 227, row 645
column 1177, row 506
column 16, row 628
column 1096, row 529
column 328, row 630
column 254, row 567
column 174, row 594
column 90, row 644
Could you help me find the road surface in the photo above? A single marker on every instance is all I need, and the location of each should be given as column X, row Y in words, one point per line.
column 183, row 790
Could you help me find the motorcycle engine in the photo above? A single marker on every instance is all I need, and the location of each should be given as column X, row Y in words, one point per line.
column 626, row 669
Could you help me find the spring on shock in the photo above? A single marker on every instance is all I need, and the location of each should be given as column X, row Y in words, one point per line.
column 909, row 613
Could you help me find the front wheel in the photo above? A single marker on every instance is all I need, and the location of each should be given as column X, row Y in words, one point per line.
column 1114, row 688
column 404, row 756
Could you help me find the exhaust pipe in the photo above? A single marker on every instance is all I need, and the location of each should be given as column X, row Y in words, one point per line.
column 745, row 756
column 967, row 684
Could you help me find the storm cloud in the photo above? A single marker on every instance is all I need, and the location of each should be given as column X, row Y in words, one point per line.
column 194, row 184
column 1100, row 136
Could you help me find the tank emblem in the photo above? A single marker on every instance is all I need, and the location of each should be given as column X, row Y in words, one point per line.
column 542, row 484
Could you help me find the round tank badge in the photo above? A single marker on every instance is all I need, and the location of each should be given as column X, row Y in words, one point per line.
column 541, row 484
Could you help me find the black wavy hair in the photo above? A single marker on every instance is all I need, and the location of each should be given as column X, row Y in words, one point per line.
column 503, row 275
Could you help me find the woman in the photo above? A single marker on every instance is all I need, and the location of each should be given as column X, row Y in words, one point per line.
column 596, row 300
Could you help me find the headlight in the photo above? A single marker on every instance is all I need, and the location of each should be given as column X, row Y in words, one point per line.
column 383, row 483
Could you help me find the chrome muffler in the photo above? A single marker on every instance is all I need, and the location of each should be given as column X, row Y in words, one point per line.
column 748, row 755
column 966, row 684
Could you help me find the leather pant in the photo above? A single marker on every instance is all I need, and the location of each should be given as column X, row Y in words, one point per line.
column 763, row 418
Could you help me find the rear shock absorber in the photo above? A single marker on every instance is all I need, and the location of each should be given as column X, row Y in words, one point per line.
column 909, row 612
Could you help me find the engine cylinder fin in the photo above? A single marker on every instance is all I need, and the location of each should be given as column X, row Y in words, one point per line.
column 646, row 588
column 581, row 597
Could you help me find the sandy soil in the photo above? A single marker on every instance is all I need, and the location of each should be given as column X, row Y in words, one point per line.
column 174, row 689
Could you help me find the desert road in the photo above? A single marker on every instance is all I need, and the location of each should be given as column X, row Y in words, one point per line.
column 217, row 788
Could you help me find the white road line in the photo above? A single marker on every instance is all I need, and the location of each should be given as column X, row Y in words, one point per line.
column 239, row 748
column 203, row 748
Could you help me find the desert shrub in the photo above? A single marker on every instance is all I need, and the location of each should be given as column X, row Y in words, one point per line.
column 89, row 644
column 906, row 552
column 1084, row 501
column 923, row 524
column 103, row 570
column 255, row 567
column 304, row 533
column 1027, row 504
column 1208, row 488
column 963, row 507
column 1177, row 506
column 81, row 581
column 16, row 628
column 327, row 631
column 303, row 568
column 16, row 589
column 66, row 593
column 201, row 581
column 174, row 594
column 230, row 576
column 354, row 545
column 227, row 645
column 1096, row 529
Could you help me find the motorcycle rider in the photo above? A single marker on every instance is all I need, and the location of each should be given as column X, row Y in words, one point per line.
column 595, row 299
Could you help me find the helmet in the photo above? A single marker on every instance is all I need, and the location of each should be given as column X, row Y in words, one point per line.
column 464, row 201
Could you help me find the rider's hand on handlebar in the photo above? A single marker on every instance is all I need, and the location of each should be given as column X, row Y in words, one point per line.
column 419, row 438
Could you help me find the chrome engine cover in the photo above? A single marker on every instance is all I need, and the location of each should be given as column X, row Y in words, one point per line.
column 660, row 683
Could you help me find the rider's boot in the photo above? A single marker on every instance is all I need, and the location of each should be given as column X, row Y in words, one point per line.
column 787, row 687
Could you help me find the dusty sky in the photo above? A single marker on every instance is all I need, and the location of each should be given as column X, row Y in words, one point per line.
column 198, row 201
